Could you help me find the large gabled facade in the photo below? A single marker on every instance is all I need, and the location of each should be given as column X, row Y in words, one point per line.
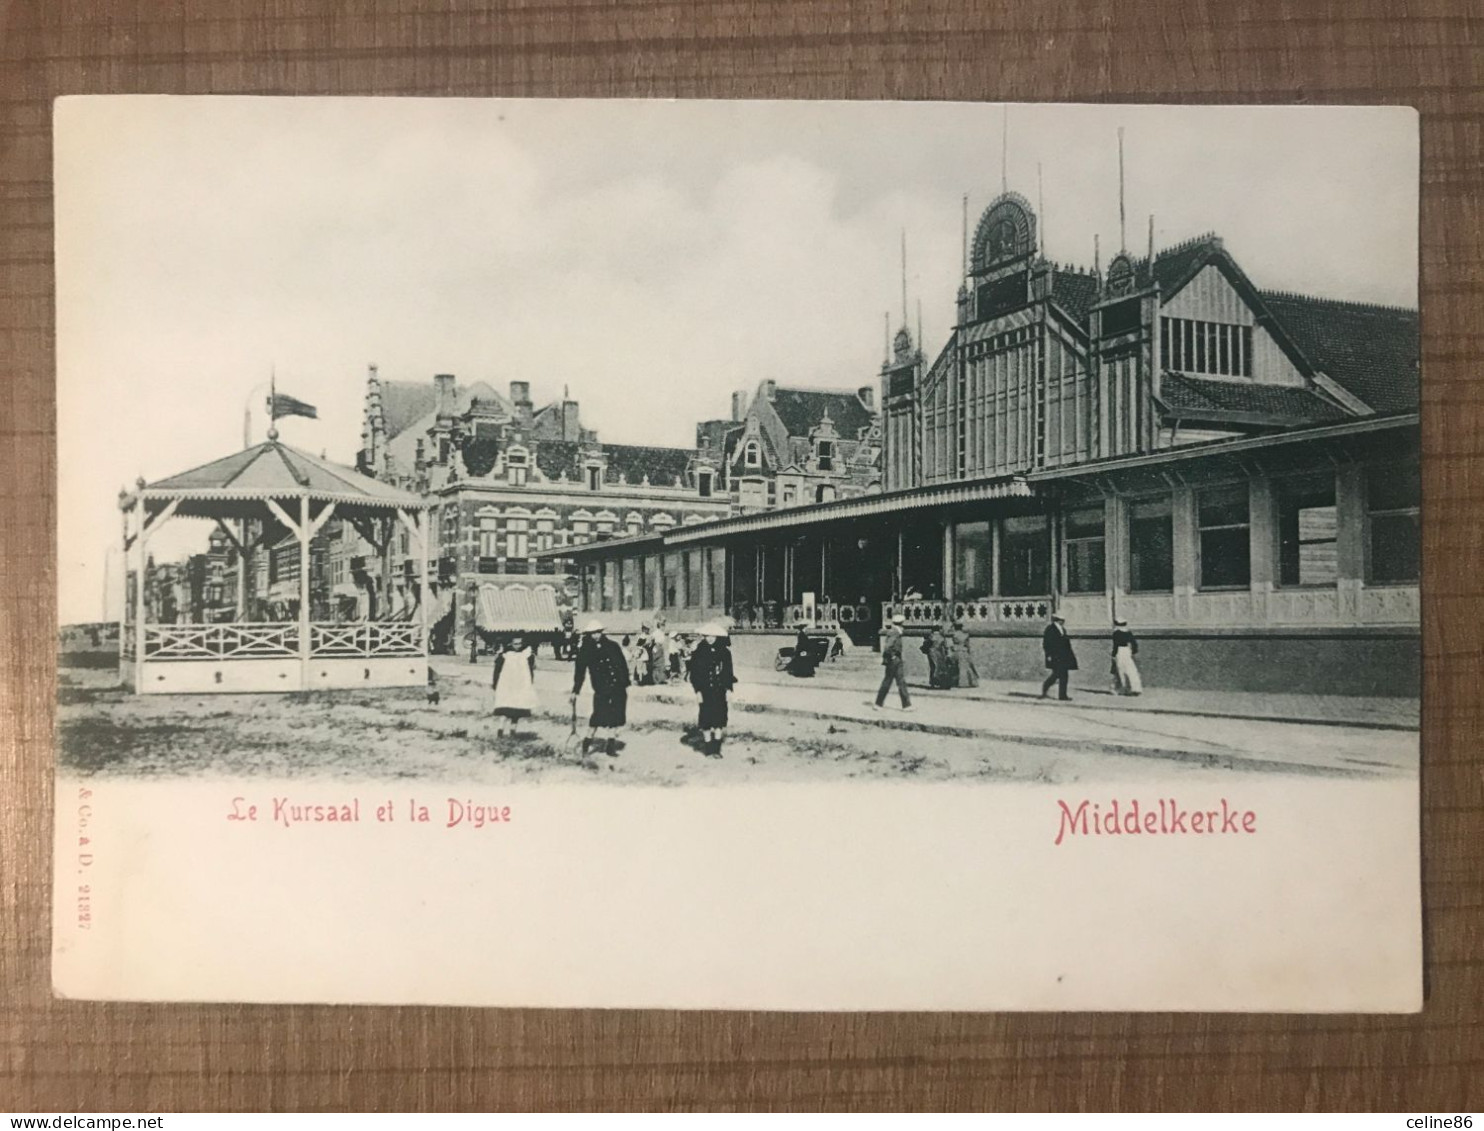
column 789, row 446
column 1234, row 470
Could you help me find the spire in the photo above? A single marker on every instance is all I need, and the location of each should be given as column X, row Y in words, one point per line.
column 886, row 342
column 904, row 276
column 966, row 235
column 1151, row 239
column 1004, row 148
column 1097, row 261
column 1122, row 235
column 1040, row 212
column 919, row 323
column 272, row 402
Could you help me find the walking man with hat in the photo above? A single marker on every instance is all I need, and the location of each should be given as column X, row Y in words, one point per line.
column 712, row 676
column 603, row 660
column 891, row 664
column 1060, row 659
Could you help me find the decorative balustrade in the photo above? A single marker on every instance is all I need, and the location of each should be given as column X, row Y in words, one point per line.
column 771, row 616
column 279, row 640
column 371, row 638
column 220, row 641
column 984, row 610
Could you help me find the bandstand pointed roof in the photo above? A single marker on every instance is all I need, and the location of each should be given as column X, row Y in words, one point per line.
column 273, row 470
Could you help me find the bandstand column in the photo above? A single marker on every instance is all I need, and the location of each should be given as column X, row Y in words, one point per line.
column 425, row 589
column 139, row 560
column 303, row 532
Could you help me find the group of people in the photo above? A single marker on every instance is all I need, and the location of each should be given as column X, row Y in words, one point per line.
column 950, row 662
column 657, row 656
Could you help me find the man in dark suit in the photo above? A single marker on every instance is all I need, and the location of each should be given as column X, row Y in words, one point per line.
column 1060, row 659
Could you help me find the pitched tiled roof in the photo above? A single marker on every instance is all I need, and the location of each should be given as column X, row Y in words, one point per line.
column 1198, row 398
column 802, row 409
column 1175, row 266
column 404, row 403
column 1074, row 292
column 665, row 467
column 1371, row 350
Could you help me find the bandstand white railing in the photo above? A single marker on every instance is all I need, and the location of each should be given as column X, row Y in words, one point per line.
column 371, row 638
column 274, row 640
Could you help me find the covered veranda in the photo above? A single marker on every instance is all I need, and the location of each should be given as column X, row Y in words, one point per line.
column 258, row 497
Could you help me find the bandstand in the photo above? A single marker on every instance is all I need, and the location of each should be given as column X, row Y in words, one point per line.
column 258, row 497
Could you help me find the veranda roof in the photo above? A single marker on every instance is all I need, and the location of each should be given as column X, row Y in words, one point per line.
column 518, row 610
column 273, row 470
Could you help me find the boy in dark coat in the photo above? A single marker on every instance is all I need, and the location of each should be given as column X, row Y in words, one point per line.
column 891, row 664
column 1060, row 658
column 712, row 676
column 603, row 660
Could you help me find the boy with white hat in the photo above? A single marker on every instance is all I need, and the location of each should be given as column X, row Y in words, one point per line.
column 603, row 660
column 891, row 664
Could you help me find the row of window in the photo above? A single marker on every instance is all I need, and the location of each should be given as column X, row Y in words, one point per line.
column 682, row 580
column 1307, row 540
column 1189, row 345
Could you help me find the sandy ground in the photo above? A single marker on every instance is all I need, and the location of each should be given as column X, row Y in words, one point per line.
column 777, row 735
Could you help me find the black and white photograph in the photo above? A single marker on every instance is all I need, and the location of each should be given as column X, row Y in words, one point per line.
column 1016, row 508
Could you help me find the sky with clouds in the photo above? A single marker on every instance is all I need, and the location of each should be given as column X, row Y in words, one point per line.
column 649, row 256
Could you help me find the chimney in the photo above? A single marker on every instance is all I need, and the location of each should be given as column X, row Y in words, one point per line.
column 770, row 389
column 867, row 396
column 571, row 421
column 520, row 393
column 739, row 405
column 446, row 401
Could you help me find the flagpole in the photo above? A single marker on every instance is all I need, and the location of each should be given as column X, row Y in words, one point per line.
column 247, row 415
column 273, row 403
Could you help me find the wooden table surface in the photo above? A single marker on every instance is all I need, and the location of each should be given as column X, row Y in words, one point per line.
column 78, row 1057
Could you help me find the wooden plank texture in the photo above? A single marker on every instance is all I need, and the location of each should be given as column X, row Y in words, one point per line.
column 77, row 1057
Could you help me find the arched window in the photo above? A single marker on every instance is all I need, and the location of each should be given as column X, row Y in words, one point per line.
column 752, row 454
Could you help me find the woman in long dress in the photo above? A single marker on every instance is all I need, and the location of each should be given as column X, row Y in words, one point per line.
column 968, row 674
column 514, row 684
column 712, row 676
column 1126, row 679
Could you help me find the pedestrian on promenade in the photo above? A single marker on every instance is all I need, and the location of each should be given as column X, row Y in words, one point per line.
column 513, row 683
column 1060, row 658
column 803, row 661
column 659, row 668
column 891, row 664
column 968, row 674
column 603, row 660
column 1126, row 680
column 941, row 672
column 712, row 676
column 638, row 654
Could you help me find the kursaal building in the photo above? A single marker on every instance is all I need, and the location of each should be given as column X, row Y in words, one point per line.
column 1234, row 471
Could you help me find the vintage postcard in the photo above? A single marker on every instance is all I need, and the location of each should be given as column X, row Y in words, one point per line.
column 819, row 556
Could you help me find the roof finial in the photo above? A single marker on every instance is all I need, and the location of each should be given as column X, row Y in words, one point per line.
column 966, row 235
column 272, row 402
column 1004, row 148
column 904, row 276
column 1122, row 235
column 1041, row 213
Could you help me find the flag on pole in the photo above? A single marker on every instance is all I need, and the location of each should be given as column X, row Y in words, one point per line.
column 281, row 404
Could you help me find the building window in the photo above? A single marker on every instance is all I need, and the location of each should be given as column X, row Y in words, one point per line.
column 545, row 531
column 753, row 493
column 703, row 484
column 1086, row 561
column 1025, row 556
column 633, row 524
column 662, row 521
column 516, row 468
column 594, row 478
column 669, row 580
column 605, row 525
column 1191, row 346
column 1393, row 500
column 973, row 573
column 1226, row 537
column 824, row 493
column 692, row 565
column 581, row 530
column 790, row 494
column 824, row 455
column 752, row 454
column 607, row 572
column 1151, row 546
column 1308, row 532
column 517, row 537
column 489, row 538
column 716, row 563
